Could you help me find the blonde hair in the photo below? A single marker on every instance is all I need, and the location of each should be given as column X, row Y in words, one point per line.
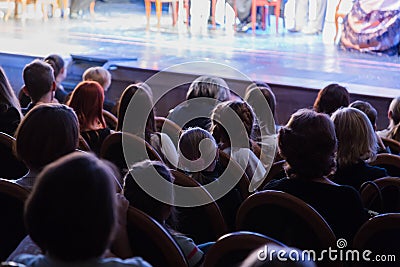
column 98, row 74
column 356, row 136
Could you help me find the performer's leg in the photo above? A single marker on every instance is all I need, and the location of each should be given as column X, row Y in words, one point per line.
column 301, row 14
column 321, row 12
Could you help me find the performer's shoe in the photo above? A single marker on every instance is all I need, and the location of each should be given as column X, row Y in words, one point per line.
column 294, row 30
column 311, row 31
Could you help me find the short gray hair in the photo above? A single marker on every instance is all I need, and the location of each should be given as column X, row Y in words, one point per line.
column 208, row 86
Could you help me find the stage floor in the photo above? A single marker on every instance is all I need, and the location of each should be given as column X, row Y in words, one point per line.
column 118, row 32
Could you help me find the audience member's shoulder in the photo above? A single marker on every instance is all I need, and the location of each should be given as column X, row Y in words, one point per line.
column 347, row 191
column 376, row 172
column 276, row 184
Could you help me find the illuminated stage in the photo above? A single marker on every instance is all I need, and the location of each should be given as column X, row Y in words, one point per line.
column 118, row 35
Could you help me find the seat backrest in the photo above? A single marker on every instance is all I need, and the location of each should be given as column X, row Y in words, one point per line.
column 152, row 242
column 388, row 161
column 110, row 119
column 233, row 248
column 230, row 169
column 12, row 228
column 83, row 145
column 392, row 144
column 381, row 235
column 135, row 147
column 164, row 125
column 285, row 218
column 12, row 167
column 382, row 195
column 202, row 223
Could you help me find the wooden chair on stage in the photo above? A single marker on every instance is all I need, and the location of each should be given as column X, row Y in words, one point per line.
column 264, row 4
column 175, row 10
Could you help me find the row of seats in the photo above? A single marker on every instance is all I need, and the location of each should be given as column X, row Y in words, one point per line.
column 304, row 229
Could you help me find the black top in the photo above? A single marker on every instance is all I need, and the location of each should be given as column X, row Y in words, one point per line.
column 95, row 138
column 340, row 206
column 355, row 175
column 9, row 119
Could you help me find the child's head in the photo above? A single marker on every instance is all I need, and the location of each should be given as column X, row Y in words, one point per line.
column 197, row 150
column 139, row 198
column 70, row 213
column 98, row 74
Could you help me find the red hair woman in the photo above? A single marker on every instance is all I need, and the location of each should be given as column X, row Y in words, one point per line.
column 87, row 101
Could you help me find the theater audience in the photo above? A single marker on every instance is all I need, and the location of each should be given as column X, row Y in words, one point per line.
column 308, row 144
column 60, row 73
column 203, row 95
column 63, row 217
column 136, row 116
column 232, row 125
column 39, row 83
column 87, row 102
column 357, row 143
column 372, row 115
column 331, row 98
column 151, row 171
column 392, row 131
column 10, row 110
column 103, row 77
column 48, row 132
